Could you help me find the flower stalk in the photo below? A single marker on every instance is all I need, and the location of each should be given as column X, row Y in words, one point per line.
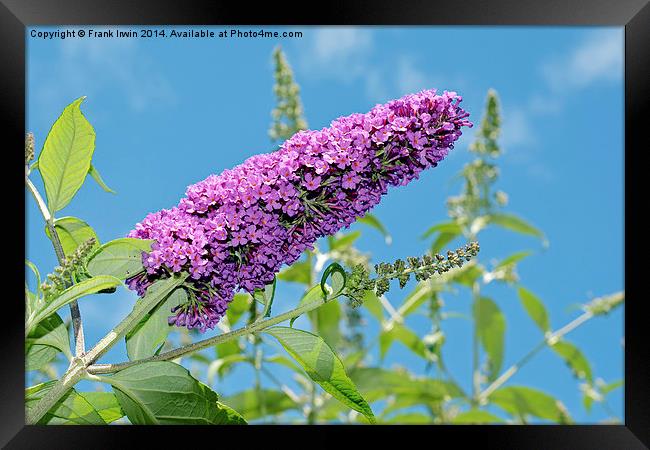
column 596, row 307
column 77, row 324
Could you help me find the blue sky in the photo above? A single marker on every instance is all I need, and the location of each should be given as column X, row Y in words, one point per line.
column 170, row 112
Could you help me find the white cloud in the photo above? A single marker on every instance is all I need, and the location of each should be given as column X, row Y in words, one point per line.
column 338, row 52
column 411, row 79
column 517, row 130
column 598, row 58
column 336, row 45
column 97, row 65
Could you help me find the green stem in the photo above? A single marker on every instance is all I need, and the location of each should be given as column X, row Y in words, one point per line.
column 75, row 372
column 80, row 364
column 200, row 345
column 476, row 370
column 549, row 340
column 77, row 325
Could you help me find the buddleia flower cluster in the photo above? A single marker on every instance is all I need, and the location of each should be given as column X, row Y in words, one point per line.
column 236, row 230
column 422, row 268
column 60, row 279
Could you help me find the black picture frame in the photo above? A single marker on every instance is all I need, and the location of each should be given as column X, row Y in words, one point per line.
column 634, row 15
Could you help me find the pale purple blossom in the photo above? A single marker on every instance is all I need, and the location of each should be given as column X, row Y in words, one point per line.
column 236, row 230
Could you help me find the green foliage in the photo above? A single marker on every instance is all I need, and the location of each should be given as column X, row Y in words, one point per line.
column 148, row 338
column 522, row 402
column 249, row 403
column 491, row 330
column 72, row 233
column 266, row 296
column 65, row 158
column 93, row 172
column 74, row 292
column 535, row 309
column 46, row 340
column 575, row 359
column 337, row 277
column 163, row 392
column 120, row 258
column 476, row 417
column 106, row 405
column 72, row 409
column 374, row 222
column 322, row 366
column 299, row 272
column 238, row 306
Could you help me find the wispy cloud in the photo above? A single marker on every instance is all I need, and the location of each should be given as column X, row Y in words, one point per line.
column 338, row 52
column 347, row 54
column 118, row 66
column 597, row 58
column 411, row 78
column 517, row 129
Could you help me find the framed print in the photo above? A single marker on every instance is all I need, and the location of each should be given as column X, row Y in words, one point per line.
column 400, row 217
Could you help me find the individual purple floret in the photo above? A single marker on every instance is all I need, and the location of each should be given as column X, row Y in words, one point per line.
column 236, row 230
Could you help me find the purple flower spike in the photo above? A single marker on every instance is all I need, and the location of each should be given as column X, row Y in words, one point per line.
column 236, row 230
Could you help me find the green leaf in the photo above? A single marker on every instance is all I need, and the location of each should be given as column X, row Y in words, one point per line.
column 33, row 301
column 523, row 401
column 254, row 404
column 121, row 258
column 284, row 361
column 326, row 319
column 420, row 294
column 575, row 359
column 373, row 305
column 490, row 327
column 372, row 221
column 93, row 172
column 535, row 308
column 38, row 356
column 48, row 338
column 465, row 275
column 106, row 405
column 405, row 336
column 162, row 392
column 514, row 223
column 322, row 366
column 338, row 279
column 312, row 295
column 36, row 273
column 377, row 383
column 65, row 158
column 227, row 348
column 476, row 416
column 223, row 365
column 345, row 241
column 72, row 408
column 512, row 259
column 445, row 227
column 442, row 240
column 299, row 272
column 72, row 233
column 238, row 306
column 74, row 292
column 266, row 296
column 610, row 387
column 148, row 338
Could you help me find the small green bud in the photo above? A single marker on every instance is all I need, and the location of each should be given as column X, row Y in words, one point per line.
column 29, row 147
